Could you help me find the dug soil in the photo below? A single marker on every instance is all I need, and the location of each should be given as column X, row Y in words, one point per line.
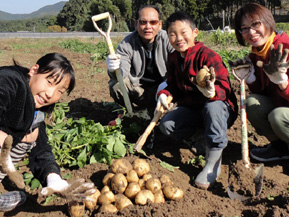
column 90, row 99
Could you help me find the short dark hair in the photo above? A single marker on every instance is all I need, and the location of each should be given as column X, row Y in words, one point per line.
column 180, row 16
column 149, row 6
column 59, row 65
column 254, row 11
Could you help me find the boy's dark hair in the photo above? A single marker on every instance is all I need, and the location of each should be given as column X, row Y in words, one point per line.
column 180, row 16
column 149, row 6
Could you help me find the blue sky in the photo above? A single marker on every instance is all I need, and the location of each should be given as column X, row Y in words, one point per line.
column 24, row 6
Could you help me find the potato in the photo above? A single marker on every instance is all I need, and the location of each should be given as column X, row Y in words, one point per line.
column 159, row 197
column 165, row 179
column 107, row 178
column 122, row 201
column 142, row 184
column 153, row 185
column 108, row 208
column 147, row 176
column 202, row 76
column 106, row 198
column 105, row 189
column 121, row 166
column 76, row 209
column 132, row 176
column 118, row 183
column 91, row 202
column 143, row 197
column 173, row 193
column 141, row 167
column 132, row 189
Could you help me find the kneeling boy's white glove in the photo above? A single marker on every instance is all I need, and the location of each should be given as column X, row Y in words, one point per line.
column 75, row 191
column 162, row 101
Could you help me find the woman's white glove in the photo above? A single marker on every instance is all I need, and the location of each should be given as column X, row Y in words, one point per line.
column 276, row 69
column 113, row 62
column 245, row 61
column 75, row 191
column 209, row 90
column 162, row 101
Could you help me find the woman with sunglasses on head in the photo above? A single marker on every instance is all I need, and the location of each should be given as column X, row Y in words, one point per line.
column 267, row 105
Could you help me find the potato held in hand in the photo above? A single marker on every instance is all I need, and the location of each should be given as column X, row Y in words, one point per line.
column 202, row 77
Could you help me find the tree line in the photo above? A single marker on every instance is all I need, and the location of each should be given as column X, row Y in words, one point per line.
column 76, row 14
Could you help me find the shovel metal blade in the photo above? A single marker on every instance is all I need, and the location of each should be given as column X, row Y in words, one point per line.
column 258, row 180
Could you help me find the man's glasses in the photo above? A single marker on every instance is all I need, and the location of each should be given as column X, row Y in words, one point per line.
column 152, row 22
column 255, row 25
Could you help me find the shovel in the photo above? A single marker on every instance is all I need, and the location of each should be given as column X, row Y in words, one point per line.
column 142, row 139
column 241, row 73
column 112, row 52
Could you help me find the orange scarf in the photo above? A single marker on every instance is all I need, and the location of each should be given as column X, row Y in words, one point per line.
column 263, row 53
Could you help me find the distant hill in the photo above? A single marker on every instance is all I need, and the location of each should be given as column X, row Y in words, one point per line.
column 44, row 11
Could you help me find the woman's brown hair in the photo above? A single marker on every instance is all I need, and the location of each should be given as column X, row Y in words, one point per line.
column 256, row 12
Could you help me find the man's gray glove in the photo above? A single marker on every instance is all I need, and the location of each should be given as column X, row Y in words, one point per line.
column 7, row 165
column 277, row 67
column 209, row 90
column 75, row 191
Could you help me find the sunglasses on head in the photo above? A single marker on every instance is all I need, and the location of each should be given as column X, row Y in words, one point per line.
column 152, row 22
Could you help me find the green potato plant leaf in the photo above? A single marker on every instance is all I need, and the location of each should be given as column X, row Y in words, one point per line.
column 76, row 142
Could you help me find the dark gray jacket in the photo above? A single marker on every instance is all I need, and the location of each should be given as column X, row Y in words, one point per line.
column 132, row 54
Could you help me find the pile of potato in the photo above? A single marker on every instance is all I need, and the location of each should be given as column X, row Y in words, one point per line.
column 127, row 184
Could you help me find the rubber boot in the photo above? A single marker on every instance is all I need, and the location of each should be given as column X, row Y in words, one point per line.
column 212, row 169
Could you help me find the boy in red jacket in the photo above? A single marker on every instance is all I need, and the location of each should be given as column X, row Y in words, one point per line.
column 213, row 107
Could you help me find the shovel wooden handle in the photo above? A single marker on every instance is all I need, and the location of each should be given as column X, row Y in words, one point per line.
column 111, row 51
column 142, row 139
column 242, row 77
